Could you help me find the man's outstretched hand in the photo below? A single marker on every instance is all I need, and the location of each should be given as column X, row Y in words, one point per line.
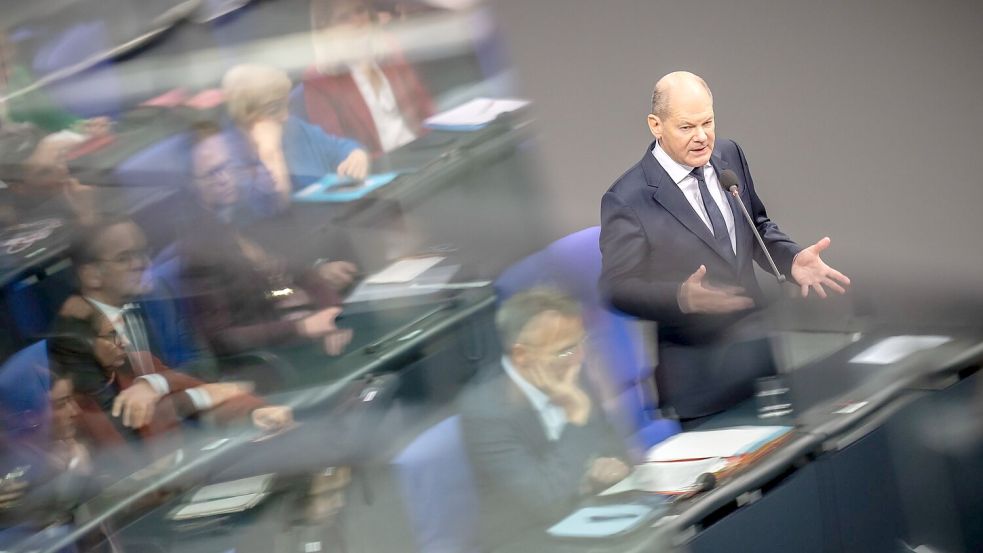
column 810, row 271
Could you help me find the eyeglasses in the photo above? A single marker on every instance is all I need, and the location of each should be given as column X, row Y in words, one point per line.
column 129, row 258
column 112, row 337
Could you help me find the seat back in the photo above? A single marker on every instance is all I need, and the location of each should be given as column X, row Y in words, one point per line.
column 25, row 410
column 437, row 486
column 572, row 265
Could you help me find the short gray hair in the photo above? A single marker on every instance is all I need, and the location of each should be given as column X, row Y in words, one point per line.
column 516, row 313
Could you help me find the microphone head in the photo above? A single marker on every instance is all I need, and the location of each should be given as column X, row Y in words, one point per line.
column 728, row 180
column 706, row 481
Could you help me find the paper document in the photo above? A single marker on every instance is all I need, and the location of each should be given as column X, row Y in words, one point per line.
column 430, row 282
column 893, row 349
column 235, row 488
column 404, row 270
column 727, row 442
column 474, row 114
column 666, row 477
column 217, row 506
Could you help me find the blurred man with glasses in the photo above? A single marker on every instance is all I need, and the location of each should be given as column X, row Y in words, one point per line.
column 535, row 432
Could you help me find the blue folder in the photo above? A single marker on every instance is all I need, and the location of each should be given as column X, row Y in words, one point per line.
column 332, row 188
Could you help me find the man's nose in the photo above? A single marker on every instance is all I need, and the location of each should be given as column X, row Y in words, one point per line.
column 701, row 134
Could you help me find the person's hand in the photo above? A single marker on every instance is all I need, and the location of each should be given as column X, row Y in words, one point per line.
column 810, row 271
column 136, row 404
column 697, row 296
column 11, row 490
column 336, row 342
column 272, row 418
column 267, row 136
column 220, row 392
column 338, row 274
column 563, row 389
column 320, row 323
column 356, row 165
column 605, row 471
column 96, row 126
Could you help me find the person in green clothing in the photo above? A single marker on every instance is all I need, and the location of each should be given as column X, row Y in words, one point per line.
column 36, row 107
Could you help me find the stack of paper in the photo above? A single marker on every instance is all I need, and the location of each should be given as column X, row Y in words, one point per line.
column 224, row 498
column 675, row 465
column 473, row 115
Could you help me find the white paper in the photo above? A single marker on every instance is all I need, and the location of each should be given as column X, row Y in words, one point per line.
column 477, row 112
column 235, row 488
column 404, row 270
column 429, row 283
column 672, row 476
column 726, row 442
column 218, row 506
column 893, row 349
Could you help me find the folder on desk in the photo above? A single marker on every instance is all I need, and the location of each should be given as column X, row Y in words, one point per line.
column 333, row 188
column 224, row 498
column 473, row 115
column 674, row 466
column 603, row 521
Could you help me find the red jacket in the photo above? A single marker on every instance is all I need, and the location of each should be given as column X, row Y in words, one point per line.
column 335, row 104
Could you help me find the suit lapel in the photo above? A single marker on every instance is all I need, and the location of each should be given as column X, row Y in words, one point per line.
column 670, row 197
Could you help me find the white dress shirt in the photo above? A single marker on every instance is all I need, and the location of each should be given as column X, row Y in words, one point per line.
column 690, row 187
column 553, row 417
column 389, row 122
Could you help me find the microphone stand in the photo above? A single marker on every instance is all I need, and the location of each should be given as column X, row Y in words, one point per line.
column 754, row 230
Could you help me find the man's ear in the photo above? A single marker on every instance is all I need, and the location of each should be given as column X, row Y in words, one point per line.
column 519, row 355
column 90, row 276
column 655, row 125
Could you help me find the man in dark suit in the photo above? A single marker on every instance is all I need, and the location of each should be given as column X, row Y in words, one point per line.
column 535, row 432
column 676, row 251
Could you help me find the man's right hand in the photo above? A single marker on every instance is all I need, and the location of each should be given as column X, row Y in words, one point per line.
column 696, row 296
column 564, row 390
column 320, row 323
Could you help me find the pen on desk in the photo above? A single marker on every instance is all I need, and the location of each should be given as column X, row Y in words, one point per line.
column 605, row 518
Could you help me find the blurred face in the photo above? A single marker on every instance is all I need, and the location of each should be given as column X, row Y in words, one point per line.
column 551, row 342
column 108, row 346
column 351, row 14
column 64, row 411
column 215, row 173
column 122, row 260
column 687, row 132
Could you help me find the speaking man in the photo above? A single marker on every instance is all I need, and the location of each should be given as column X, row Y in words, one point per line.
column 676, row 250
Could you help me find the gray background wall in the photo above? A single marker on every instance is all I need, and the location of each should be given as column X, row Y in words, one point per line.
column 860, row 119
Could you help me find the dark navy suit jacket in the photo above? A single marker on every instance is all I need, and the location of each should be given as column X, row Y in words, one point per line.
column 651, row 241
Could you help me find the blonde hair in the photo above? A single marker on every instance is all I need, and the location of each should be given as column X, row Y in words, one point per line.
column 249, row 88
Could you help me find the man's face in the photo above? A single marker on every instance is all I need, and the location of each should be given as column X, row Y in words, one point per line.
column 64, row 411
column 215, row 173
column 122, row 260
column 687, row 132
column 551, row 342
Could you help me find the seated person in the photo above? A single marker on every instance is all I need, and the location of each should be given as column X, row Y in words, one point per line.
column 535, row 432
column 372, row 95
column 267, row 137
column 103, row 342
column 35, row 107
column 47, row 474
column 229, row 279
column 36, row 178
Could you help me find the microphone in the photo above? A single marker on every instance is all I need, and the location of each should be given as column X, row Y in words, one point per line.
column 704, row 483
column 729, row 182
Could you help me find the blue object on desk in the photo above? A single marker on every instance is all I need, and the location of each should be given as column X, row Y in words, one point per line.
column 332, row 188
column 602, row 521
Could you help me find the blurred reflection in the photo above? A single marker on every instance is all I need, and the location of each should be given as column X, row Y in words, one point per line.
column 361, row 85
column 534, row 429
column 295, row 153
column 243, row 297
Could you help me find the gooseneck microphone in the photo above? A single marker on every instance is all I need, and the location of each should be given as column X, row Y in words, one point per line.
column 729, row 182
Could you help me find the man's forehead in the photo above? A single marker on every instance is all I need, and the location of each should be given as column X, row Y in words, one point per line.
column 120, row 237
column 550, row 326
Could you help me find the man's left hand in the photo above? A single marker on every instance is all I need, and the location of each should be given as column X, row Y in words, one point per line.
column 136, row 404
column 356, row 165
column 810, row 271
